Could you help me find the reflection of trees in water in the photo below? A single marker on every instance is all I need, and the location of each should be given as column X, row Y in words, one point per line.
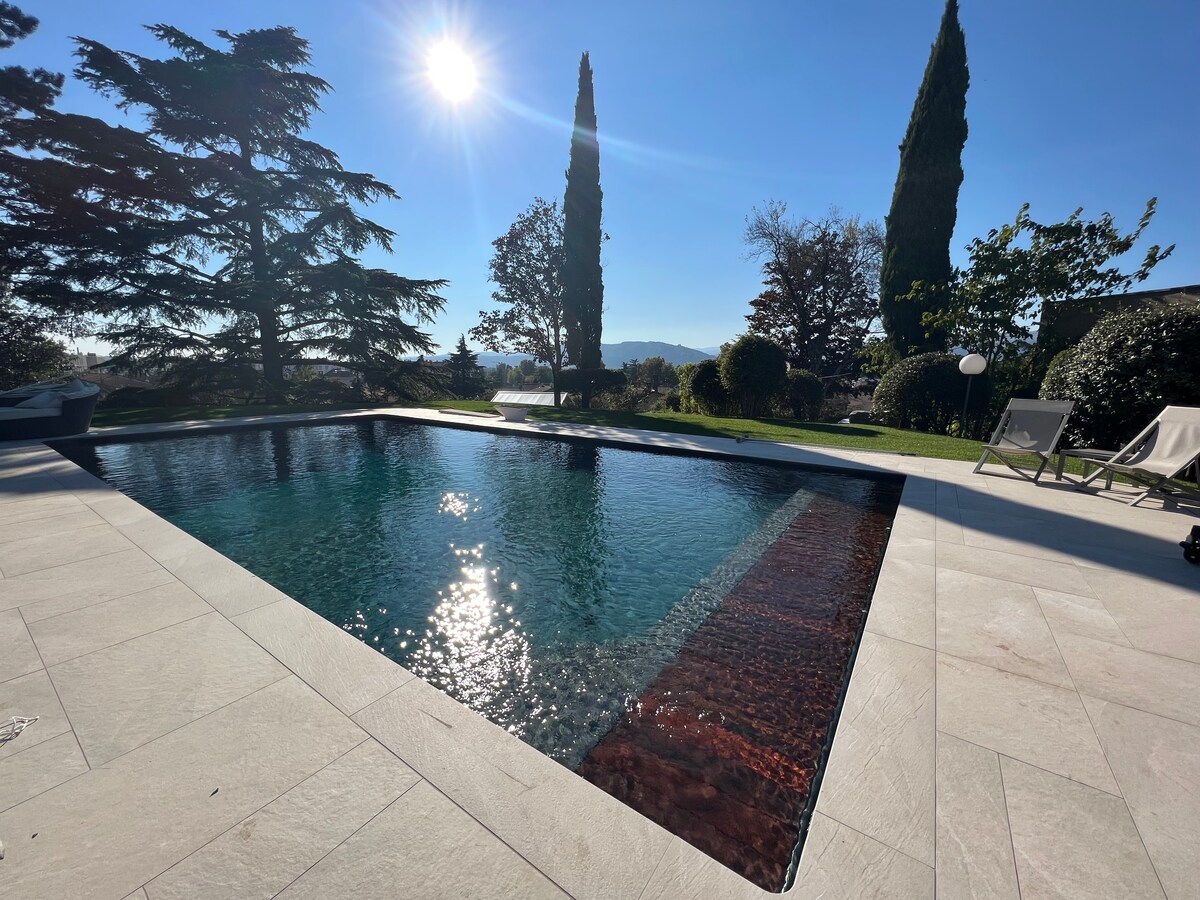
column 550, row 503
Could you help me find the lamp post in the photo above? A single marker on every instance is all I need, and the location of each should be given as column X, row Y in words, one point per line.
column 970, row 365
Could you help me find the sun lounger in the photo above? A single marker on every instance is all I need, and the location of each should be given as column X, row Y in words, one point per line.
column 1155, row 459
column 1028, row 431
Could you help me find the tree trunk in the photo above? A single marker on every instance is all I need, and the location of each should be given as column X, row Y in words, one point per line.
column 272, row 360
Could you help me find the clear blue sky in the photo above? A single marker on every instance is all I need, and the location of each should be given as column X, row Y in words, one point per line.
column 708, row 108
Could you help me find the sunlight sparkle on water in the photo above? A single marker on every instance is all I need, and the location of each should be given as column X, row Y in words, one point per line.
column 472, row 643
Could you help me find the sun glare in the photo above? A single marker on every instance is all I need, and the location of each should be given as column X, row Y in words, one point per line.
column 451, row 71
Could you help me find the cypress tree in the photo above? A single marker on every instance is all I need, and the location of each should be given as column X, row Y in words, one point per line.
column 925, row 201
column 582, row 281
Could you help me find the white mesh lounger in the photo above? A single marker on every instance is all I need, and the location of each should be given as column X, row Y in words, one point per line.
column 1157, row 456
column 1029, row 430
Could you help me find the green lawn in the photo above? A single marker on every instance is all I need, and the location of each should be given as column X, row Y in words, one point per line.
column 860, row 437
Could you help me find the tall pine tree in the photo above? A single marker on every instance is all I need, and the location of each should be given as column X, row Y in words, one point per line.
column 220, row 238
column 582, row 280
column 925, row 202
column 466, row 377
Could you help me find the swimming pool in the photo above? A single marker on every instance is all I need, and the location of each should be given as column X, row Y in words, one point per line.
column 621, row 611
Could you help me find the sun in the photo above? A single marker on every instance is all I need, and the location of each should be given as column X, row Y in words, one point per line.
column 451, row 71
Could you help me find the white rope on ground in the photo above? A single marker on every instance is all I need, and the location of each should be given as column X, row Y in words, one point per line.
column 15, row 726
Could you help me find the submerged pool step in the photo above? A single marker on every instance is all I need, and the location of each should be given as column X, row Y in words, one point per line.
column 724, row 745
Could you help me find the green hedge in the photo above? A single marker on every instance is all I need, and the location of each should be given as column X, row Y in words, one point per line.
column 803, row 396
column 926, row 392
column 1125, row 370
column 700, row 389
column 753, row 372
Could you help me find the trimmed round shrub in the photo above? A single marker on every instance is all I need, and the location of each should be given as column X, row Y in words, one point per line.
column 803, row 396
column 700, row 388
column 1125, row 370
column 926, row 392
column 753, row 372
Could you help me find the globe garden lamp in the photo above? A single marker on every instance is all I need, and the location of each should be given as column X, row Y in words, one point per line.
column 970, row 365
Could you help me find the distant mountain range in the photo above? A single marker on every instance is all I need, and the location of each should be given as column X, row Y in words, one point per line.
column 615, row 355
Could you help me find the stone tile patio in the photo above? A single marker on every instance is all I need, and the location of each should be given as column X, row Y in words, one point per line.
column 1021, row 721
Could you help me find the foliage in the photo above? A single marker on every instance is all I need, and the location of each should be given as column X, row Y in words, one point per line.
column 651, row 373
column 926, row 392
column 753, row 371
column 803, row 395
column 821, row 286
column 27, row 355
column 1125, row 370
column 526, row 269
column 990, row 306
column 669, row 403
column 466, row 375
column 590, row 381
column 925, row 201
column 701, row 390
column 221, row 212
column 582, row 278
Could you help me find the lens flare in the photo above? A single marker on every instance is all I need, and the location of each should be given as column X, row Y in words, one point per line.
column 451, row 71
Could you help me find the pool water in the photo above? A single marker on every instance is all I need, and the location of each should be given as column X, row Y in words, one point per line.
column 549, row 585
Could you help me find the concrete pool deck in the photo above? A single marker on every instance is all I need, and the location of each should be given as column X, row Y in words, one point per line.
column 1022, row 718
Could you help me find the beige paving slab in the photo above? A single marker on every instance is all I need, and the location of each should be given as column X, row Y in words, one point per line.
column 1030, row 544
column 1029, row 720
column 139, row 894
column 915, row 523
column 46, row 551
column 28, row 696
column 996, row 623
column 39, row 768
column 1045, row 573
column 1071, row 840
column 76, row 585
column 840, row 862
column 264, row 853
column 1150, row 577
column 586, row 841
column 21, row 488
column 116, row 827
column 342, row 668
column 63, row 524
column 974, row 852
column 903, row 548
column 1157, row 684
column 118, row 509
column 123, row 696
column 18, row 654
column 92, row 628
column 52, row 505
column 437, row 850
column 685, row 873
column 902, row 606
column 880, row 776
column 1157, row 762
column 1160, row 621
column 224, row 584
column 1072, row 614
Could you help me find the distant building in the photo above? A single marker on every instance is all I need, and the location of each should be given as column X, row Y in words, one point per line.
column 81, row 362
column 1064, row 322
